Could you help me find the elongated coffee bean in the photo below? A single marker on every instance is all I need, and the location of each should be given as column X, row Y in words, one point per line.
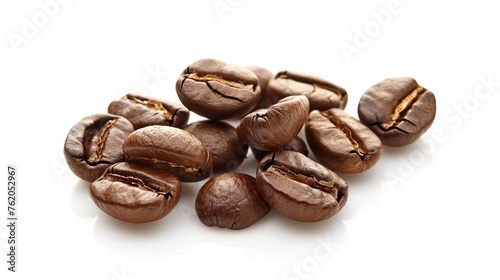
column 169, row 148
column 136, row 193
column 95, row 143
column 341, row 142
column 300, row 188
column 142, row 111
column 273, row 128
column 217, row 90
column 398, row 110
column 322, row 94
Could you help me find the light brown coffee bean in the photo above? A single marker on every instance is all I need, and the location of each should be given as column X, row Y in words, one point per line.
column 341, row 142
column 169, row 148
column 136, row 193
column 398, row 110
column 299, row 188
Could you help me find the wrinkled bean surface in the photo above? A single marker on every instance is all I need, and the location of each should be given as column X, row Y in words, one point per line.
column 169, row 148
column 136, row 193
column 300, row 188
column 341, row 142
column 217, row 90
column 95, row 143
column 143, row 111
column 398, row 110
column 322, row 94
column 230, row 200
column 273, row 128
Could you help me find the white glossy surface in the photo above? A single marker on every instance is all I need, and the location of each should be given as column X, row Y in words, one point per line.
column 426, row 211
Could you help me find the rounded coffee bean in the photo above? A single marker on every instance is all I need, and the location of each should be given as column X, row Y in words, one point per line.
column 300, row 188
column 95, row 143
column 322, row 94
column 135, row 193
column 264, row 77
column 297, row 145
column 273, row 128
column 230, row 200
column 398, row 110
column 221, row 140
column 144, row 111
column 217, row 90
column 341, row 142
column 169, row 148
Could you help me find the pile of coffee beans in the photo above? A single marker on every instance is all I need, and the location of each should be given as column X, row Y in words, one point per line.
column 137, row 155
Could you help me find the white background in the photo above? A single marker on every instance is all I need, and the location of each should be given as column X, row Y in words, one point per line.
column 426, row 211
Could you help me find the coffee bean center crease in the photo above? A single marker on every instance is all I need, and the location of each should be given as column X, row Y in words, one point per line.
column 310, row 181
column 187, row 169
column 314, row 86
column 343, row 127
column 137, row 183
column 403, row 108
column 102, row 136
column 155, row 105
column 215, row 78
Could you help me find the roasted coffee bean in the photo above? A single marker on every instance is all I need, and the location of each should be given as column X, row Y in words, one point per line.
column 135, row 193
column 264, row 76
column 143, row 111
column 95, row 143
column 341, row 142
column 322, row 94
column 221, row 140
column 169, row 148
column 398, row 110
column 230, row 200
column 273, row 128
column 217, row 90
column 297, row 145
column 300, row 188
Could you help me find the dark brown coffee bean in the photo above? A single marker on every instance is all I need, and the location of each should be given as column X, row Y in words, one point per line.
column 217, row 90
column 221, row 140
column 273, row 128
column 230, row 200
column 398, row 110
column 95, row 143
column 341, row 142
column 297, row 145
column 264, row 76
column 300, row 188
column 143, row 111
column 322, row 94
column 169, row 148
column 136, row 193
